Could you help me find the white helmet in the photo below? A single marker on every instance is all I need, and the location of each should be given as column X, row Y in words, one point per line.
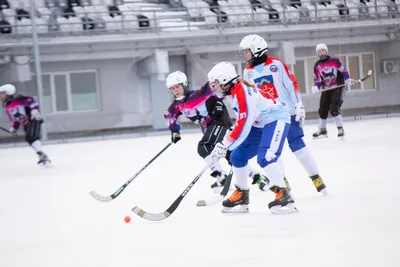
column 255, row 43
column 8, row 89
column 175, row 78
column 321, row 47
column 223, row 72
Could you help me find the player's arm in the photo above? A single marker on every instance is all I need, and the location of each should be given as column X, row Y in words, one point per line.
column 215, row 106
column 290, row 83
column 317, row 76
column 34, row 108
column 245, row 119
column 172, row 115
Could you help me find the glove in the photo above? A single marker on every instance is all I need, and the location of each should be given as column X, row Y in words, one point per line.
column 218, row 152
column 35, row 115
column 300, row 113
column 175, row 137
column 315, row 89
column 13, row 131
column 349, row 83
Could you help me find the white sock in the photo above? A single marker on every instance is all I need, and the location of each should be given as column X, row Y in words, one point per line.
column 252, row 171
column 323, row 123
column 37, row 146
column 241, row 175
column 339, row 120
column 280, row 162
column 275, row 175
column 306, row 159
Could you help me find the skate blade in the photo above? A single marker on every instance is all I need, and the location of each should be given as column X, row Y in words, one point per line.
column 46, row 165
column 237, row 209
column 320, row 137
column 323, row 192
column 279, row 210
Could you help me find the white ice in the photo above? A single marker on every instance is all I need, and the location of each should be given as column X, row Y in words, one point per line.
column 48, row 219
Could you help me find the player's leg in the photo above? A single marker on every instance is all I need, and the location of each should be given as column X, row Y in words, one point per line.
column 296, row 144
column 335, row 105
column 32, row 137
column 323, row 111
column 239, row 200
column 213, row 135
column 271, row 146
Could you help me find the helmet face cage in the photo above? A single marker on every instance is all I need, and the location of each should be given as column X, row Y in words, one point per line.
column 220, row 75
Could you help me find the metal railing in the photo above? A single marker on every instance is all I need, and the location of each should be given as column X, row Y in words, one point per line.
column 192, row 19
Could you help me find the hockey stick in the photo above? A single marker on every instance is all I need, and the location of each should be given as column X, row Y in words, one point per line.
column 165, row 214
column 221, row 196
column 4, row 129
column 122, row 188
column 354, row 81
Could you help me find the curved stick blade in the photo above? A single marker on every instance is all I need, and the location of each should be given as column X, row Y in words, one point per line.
column 99, row 197
column 151, row 216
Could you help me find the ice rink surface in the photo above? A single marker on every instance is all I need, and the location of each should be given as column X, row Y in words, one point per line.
column 48, row 219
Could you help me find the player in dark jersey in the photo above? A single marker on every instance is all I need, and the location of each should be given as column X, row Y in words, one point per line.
column 24, row 111
column 202, row 107
column 329, row 72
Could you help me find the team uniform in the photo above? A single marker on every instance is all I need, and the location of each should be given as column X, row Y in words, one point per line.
column 24, row 111
column 329, row 72
column 273, row 77
column 261, row 128
column 210, row 113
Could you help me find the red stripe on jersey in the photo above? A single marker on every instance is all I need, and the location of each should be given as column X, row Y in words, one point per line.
column 240, row 94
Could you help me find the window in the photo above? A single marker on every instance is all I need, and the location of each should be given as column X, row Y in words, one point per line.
column 357, row 66
column 299, row 72
column 67, row 92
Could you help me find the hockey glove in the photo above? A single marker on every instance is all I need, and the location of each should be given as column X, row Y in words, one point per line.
column 218, row 152
column 175, row 137
column 315, row 90
column 300, row 113
column 349, row 83
column 13, row 131
column 35, row 115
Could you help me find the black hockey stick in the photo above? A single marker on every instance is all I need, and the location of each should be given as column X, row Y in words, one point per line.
column 217, row 198
column 354, row 81
column 4, row 129
column 165, row 214
column 122, row 188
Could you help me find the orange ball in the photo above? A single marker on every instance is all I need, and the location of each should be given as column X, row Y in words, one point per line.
column 127, row 219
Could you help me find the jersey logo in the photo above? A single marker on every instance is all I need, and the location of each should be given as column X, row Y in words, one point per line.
column 273, row 68
column 266, row 87
column 242, row 115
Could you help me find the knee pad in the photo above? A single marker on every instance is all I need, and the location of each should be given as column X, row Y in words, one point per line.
column 238, row 159
column 296, row 143
column 323, row 113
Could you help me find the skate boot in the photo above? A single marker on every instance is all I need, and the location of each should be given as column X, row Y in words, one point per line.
column 319, row 184
column 321, row 133
column 288, row 187
column 283, row 203
column 261, row 181
column 237, row 203
column 340, row 132
column 44, row 160
column 219, row 184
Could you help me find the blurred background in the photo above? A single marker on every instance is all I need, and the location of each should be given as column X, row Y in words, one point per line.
column 100, row 65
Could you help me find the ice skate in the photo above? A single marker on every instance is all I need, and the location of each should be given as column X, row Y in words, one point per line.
column 44, row 160
column 261, row 181
column 340, row 133
column 288, row 187
column 321, row 133
column 283, row 203
column 219, row 184
column 238, row 202
column 319, row 184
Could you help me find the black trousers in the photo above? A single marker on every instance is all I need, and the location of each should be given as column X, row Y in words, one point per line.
column 330, row 101
column 32, row 131
column 212, row 135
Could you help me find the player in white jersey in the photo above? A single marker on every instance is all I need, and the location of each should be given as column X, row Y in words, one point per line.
column 260, row 130
column 273, row 77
